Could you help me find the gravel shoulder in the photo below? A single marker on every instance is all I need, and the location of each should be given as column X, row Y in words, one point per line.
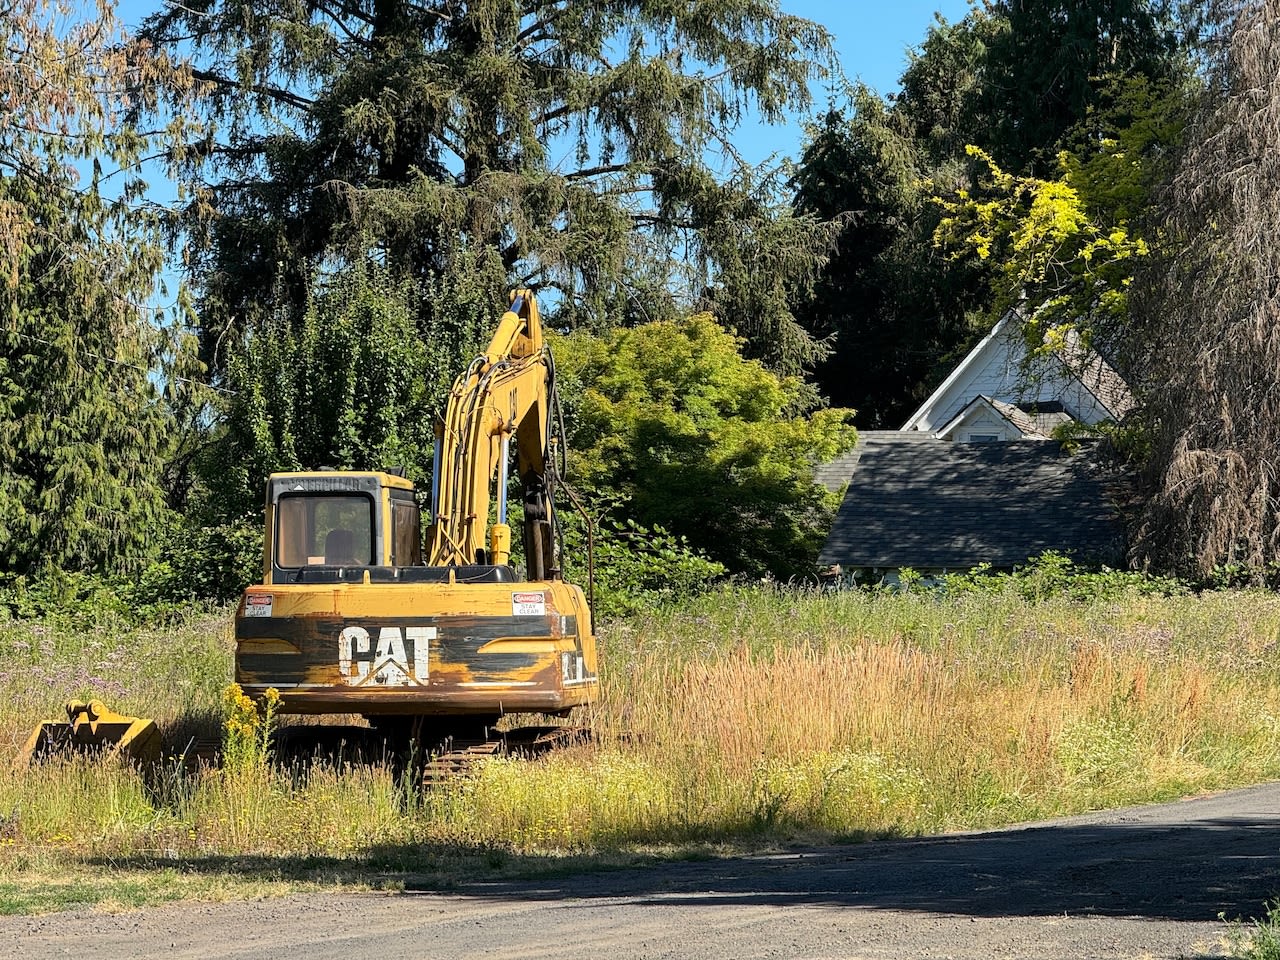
column 1143, row 882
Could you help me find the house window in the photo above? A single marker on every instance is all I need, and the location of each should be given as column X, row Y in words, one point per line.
column 983, row 438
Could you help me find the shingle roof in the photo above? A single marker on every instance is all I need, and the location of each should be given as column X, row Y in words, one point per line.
column 1098, row 377
column 1025, row 423
column 954, row 505
column 836, row 473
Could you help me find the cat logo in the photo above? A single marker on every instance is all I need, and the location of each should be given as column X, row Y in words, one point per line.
column 399, row 659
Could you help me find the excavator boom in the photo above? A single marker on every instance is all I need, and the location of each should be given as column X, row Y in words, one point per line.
column 503, row 395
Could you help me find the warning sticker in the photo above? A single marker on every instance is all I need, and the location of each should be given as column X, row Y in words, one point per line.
column 257, row 605
column 528, row 604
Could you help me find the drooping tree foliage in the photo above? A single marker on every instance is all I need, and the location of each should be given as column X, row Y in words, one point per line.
column 1209, row 313
column 83, row 431
column 565, row 145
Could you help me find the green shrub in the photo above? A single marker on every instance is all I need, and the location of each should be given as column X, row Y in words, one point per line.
column 636, row 566
column 199, row 563
column 702, row 443
column 191, row 566
column 1055, row 574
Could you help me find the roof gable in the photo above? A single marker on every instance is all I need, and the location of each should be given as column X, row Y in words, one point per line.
column 1000, row 368
column 1010, row 418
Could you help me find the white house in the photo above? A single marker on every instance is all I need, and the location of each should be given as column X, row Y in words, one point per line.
column 915, row 500
column 999, row 392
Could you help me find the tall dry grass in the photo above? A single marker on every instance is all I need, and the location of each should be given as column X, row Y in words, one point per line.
column 749, row 715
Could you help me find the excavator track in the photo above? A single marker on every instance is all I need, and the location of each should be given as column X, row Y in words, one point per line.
column 444, row 759
column 457, row 756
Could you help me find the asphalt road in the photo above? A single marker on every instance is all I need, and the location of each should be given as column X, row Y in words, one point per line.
column 1143, row 882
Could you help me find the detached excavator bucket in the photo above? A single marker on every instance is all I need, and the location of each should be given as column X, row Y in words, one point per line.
column 92, row 728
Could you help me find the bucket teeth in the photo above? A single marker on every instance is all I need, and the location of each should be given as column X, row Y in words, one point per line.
column 91, row 727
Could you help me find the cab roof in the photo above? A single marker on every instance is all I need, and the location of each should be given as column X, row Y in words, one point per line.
column 363, row 477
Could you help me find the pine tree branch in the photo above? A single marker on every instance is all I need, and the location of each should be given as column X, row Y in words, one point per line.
column 337, row 20
column 343, row 8
column 588, row 172
column 277, row 93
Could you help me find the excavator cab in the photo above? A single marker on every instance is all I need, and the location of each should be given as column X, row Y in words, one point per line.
column 322, row 525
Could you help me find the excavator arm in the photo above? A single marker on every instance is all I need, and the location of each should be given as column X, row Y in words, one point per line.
column 505, row 395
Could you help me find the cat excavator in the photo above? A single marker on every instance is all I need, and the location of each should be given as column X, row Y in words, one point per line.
column 349, row 619
column 353, row 617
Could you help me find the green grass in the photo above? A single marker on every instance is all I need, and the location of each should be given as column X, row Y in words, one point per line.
column 742, row 719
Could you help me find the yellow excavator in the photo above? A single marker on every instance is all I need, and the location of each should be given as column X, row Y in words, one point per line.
column 349, row 619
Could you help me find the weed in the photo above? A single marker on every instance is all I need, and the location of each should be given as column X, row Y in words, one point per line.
column 1259, row 939
column 735, row 718
column 247, row 728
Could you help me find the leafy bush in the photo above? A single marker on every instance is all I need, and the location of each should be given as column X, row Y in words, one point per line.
column 1055, row 574
column 701, row 443
column 636, row 566
column 202, row 563
column 82, row 599
column 191, row 566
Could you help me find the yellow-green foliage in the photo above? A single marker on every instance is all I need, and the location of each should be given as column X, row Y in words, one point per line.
column 759, row 714
column 1051, row 257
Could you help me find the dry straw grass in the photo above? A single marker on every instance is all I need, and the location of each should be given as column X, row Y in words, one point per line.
column 747, row 716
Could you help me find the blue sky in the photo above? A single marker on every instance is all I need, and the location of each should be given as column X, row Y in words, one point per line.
column 872, row 38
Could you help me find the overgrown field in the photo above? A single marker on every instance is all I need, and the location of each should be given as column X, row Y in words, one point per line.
column 745, row 717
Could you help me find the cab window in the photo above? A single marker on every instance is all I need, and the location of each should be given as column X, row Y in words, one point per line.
column 406, row 536
column 324, row 530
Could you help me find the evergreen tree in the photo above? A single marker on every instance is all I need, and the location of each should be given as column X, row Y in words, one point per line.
column 557, row 144
column 348, row 386
column 940, row 98
column 82, row 427
column 1050, row 61
column 892, row 304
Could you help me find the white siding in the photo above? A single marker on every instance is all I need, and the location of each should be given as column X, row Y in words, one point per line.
column 995, row 369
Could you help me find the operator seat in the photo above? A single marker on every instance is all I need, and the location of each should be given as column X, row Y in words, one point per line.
column 340, row 548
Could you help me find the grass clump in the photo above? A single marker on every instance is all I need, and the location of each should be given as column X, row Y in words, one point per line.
column 1258, row 939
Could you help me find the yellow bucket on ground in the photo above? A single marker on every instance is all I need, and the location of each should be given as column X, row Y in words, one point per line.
column 91, row 727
